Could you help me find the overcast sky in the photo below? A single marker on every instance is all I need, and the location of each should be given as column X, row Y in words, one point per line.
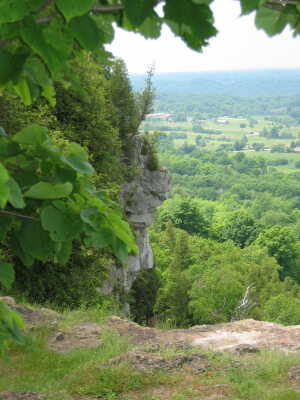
column 239, row 45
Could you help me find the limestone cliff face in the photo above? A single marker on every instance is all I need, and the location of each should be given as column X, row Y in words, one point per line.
column 140, row 198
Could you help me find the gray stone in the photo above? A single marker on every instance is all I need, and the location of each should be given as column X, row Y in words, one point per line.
column 60, row 336
column 246, row 348
column 145, row 361
column 140, row 198
column 294, row 373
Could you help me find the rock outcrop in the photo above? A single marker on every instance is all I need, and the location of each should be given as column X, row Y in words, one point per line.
column 33, row 317
column 145, row 361
column 241, row 337
column 140, row 198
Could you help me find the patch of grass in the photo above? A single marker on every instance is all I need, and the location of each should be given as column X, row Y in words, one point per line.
column 263, row 377
column 33, row 367
column 91, row 314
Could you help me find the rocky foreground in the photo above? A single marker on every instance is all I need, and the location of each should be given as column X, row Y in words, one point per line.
column 241, row 336
column 150, row 345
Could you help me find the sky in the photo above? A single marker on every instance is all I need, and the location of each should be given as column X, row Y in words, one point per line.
column 239, row 45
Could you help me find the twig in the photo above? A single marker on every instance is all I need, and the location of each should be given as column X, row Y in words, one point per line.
column 12, row 214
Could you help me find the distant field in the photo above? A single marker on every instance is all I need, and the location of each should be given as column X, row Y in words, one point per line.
column 231, row 132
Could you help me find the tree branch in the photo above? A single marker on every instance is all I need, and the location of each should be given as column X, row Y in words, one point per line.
column 12, row 214
column 108, row 9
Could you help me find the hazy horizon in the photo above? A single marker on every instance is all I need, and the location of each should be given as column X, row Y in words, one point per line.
column 221, row 70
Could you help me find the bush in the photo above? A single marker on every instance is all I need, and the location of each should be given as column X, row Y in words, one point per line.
column 67, row 286
column 143, row 295
column 283, row 309
column 149, row 149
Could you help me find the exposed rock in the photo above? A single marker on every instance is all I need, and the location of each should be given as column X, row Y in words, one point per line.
column 144, row 361
column 195, row 362
column 294, row 376
column 86, row 335
column 140, row 198
column 8, row 300
column 139, row 360
column 243, row 336
column 246, row 349
column 156, row 347
column 33, row 317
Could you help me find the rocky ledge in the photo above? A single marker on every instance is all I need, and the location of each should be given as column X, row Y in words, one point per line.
column 239, row 336
column 152, row 349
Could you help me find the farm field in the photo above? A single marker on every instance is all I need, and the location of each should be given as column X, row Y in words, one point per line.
column 226, row 133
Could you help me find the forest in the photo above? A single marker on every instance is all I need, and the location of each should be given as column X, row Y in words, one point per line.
column 226, row 243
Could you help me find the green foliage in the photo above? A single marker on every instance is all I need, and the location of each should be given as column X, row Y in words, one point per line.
column 184, row 214
column 86, row 116
column 211, row 279
column 283, row 309
column 143, row 296
column 282, row 244
column 59, row 204
column 71, row 286
column 237, row 226
column 172, row 297
column 42, row 38
column 145, row 99
column 122, row 97
column 62, row 174
column 11, row 324
column 149, row 150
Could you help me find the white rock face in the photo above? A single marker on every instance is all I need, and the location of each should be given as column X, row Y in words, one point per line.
column 140, row 198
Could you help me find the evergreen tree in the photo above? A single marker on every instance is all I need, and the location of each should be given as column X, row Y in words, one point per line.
column 145, row 99
column 122, row 97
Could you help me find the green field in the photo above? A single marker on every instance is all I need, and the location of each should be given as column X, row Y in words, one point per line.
column 234, row 130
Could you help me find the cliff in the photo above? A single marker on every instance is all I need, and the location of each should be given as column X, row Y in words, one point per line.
column 140, row 197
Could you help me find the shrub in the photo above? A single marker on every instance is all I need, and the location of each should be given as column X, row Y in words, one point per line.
column 283, row 309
